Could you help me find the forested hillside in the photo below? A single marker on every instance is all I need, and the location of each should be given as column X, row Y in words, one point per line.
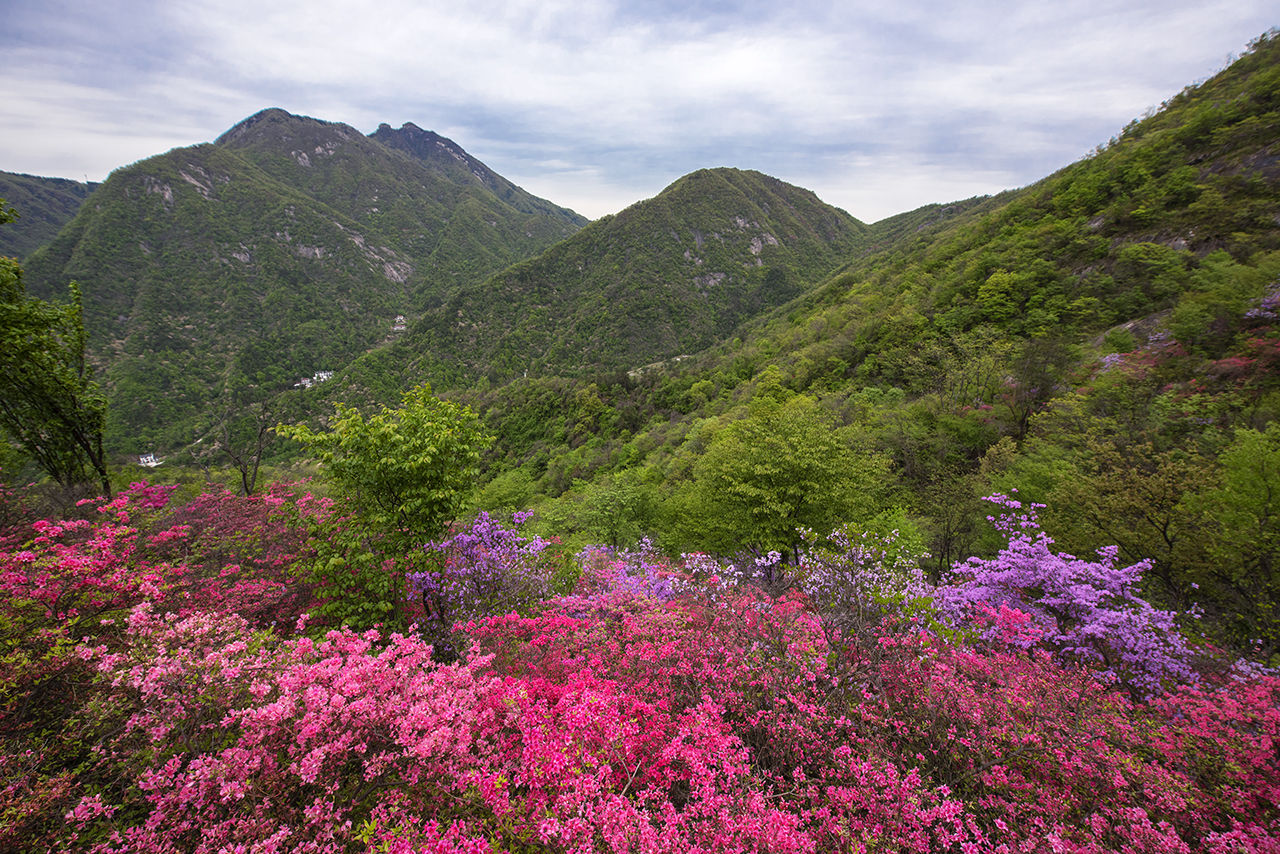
column 667, row 276
column 959, row 534
column 1101, row 340
column 46, row 205
column 217, row 276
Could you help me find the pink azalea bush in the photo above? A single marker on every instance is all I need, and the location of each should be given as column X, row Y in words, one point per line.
column 280, row 746
column 163, row 691
column 65, row 579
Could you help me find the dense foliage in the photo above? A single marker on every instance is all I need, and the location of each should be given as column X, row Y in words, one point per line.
column 288, row 246
column 667, row 276
column 165, row 689
column 1103, row 340
column 49, row 403
column 47, row 204
column 977, row 543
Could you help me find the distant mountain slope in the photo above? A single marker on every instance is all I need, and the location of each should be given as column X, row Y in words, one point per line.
column 44, row 206
column 454, row 216
column 670, row 275
column 445, row 156
column 1130, row 301
column 1115, row 236
column 286, row 247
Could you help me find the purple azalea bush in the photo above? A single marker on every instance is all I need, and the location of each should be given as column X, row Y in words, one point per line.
column 1083, row 610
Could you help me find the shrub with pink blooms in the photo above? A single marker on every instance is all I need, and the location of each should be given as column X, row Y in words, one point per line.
column 238, row 739
column 65, row 579
column 168, row 690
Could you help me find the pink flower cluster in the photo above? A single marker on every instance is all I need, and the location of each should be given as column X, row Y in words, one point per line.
column 661, row 707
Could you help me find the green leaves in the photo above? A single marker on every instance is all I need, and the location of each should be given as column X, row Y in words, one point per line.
column 49, row 402
column 782, row 468
column 406, row 470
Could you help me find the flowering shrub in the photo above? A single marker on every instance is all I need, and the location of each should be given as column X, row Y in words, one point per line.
column 246, row 741
column 1089, row 611
column 863, row 587
column 241, row 550
column 480, row 570
column 63, row 579
column 606, row 575
column 661, row 707
column 950, row 744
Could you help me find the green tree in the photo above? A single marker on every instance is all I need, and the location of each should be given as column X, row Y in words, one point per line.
column 782, row 468
column 404, row 473
column 1243, row 578
column 615, row 509
column 49, row 403
column 1132, row 495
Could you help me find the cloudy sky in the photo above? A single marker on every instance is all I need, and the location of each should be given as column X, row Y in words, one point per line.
column 879, row 106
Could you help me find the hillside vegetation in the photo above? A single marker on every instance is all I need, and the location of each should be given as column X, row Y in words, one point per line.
column 737, row 525
column 1101, row 340
column 46, row 205
column 216, row 276
column 667, row 276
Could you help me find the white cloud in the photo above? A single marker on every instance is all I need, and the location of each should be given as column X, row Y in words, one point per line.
column 870, row 102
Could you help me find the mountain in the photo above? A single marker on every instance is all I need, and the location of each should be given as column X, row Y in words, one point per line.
column 44, row 206
column 228, row 271
column 442, row 207
column 668, row 276
column 1105, row 341
column 443, row 155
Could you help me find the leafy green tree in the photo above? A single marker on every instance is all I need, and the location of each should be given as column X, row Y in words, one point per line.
column 1136, row 497
column 49, row 403
column 1243, row 578
column 782, row 468
column 615, row 509
column 508, row 492
column 404, row 473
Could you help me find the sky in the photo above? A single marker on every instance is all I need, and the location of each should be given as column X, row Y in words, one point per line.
column 878, row 106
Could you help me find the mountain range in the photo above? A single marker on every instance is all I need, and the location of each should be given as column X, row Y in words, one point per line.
column 229, row 272
column 226, row 273
column 286, row 247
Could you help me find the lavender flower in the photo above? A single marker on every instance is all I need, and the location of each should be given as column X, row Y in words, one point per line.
column 1082, row 610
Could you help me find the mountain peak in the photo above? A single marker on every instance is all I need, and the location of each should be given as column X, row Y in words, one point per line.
column 274, row 122
column 431, row 147
column 245, row 126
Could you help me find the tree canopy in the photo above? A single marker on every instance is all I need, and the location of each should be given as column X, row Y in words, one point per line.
column 782, row 468
column 407, row 470
column 49, row 402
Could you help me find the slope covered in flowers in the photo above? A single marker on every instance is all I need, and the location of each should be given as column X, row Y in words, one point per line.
column 167, row 684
